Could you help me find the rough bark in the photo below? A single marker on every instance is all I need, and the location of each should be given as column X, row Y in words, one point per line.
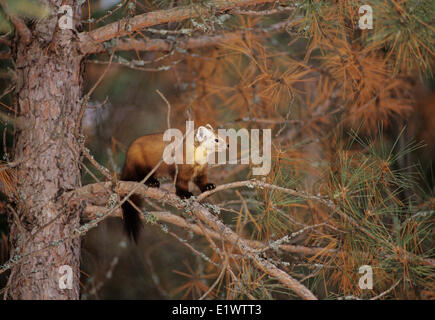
column 49, row 91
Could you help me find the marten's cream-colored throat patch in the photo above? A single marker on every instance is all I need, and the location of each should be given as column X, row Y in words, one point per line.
column 201, row 155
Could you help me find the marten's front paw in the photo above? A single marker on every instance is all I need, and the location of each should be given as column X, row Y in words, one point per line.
column 183, row 194
column 208, row 186
column 153, row 183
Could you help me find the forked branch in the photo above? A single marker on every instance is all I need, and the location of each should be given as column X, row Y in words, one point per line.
column 95, row 193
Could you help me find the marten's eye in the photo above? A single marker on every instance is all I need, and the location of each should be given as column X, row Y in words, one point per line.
column 216, row 140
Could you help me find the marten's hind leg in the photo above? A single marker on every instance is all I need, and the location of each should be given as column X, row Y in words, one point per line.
column 182, row 188
column 182, row 181
column 151, row 181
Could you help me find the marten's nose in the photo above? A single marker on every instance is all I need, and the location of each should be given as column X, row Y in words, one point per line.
column 228, row 145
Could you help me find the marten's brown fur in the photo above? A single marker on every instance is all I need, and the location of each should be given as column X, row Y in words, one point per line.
column 142, row 156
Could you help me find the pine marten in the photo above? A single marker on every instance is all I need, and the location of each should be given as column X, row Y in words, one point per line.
column 145, row 153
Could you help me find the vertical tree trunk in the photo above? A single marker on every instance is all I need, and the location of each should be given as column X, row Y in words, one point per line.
column 49, row 92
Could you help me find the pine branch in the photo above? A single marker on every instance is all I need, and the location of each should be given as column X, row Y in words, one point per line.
column 91, row 213
column 88, row 40
column 187, row 43
column 300, row 194
column 262, row 12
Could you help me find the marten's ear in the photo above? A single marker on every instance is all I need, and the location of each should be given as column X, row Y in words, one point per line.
column 201, row 134
column 209, row 127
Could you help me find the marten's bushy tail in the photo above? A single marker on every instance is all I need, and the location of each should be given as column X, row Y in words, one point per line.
column 132, row 220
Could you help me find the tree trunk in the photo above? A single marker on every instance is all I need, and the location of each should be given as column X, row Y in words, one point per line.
column 46, row 148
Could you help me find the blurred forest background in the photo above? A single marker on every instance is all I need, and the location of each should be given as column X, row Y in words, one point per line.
column 352, row 114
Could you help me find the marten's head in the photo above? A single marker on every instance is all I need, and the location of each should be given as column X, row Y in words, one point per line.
column 207, row 141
